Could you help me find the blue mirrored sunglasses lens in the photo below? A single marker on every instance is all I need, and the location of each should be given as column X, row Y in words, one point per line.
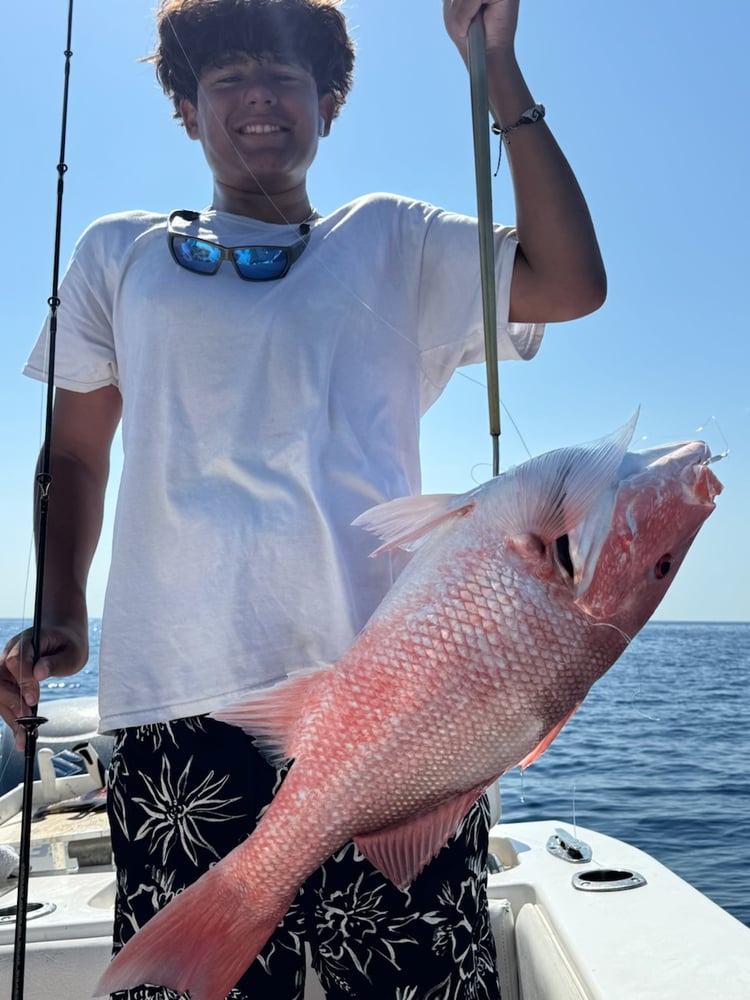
column 261, row 263
column 197, row 255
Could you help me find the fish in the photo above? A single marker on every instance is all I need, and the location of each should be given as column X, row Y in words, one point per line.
column 517, row 597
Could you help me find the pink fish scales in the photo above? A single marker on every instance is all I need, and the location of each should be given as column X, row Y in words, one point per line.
column 519, row 596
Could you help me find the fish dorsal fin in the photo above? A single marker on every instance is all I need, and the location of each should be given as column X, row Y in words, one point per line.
column 546, row 496
column 271, row 715
column 401, row 852
column 552, row 493
column 405, row 523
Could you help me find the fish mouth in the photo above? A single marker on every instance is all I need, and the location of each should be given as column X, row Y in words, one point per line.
column 702, row 483
column 670, row 487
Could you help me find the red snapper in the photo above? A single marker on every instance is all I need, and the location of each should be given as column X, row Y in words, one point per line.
column 520, row 595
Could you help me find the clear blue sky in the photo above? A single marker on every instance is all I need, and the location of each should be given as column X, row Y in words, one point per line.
column 649, row 100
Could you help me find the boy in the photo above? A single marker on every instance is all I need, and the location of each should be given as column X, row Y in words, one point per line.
column 269, row 393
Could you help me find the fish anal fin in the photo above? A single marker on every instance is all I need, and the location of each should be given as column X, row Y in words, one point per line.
column 404, row 523
column 401, row 852
column 271, row 715
column 539, row 749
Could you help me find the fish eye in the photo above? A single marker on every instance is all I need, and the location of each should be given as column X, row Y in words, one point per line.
column 663, row 566
column 562, row 549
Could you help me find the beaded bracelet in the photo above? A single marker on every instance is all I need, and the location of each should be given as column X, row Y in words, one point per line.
column 529, row 117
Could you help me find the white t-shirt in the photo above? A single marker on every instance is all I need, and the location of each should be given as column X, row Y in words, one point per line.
column 259, row 419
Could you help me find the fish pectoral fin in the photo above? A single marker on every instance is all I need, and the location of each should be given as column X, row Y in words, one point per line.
column 271, row 715
column 401, row 852
column 539, row 749
column 404, row 523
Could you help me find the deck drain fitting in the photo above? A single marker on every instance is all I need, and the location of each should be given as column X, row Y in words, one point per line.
column 607, row 880
column 8, row 914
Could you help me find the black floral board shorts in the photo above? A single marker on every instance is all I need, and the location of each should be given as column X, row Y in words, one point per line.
column 183, row 794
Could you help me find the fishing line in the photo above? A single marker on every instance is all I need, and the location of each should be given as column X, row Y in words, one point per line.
column 703, row 430
column 30, row 723
column 596, row 624
column 575, row 809
column 639, row 694
column 480, row 112
column 723, row 454
column 628, row 640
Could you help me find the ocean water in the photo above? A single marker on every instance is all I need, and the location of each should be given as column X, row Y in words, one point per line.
column 658, row 755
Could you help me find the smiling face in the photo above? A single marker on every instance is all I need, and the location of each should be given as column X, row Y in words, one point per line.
column 258, row 121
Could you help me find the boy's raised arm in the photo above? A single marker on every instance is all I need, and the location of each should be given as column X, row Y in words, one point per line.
column 559, row 274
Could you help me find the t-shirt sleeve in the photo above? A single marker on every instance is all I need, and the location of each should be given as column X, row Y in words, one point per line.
column 85, row 356
column 451, row 321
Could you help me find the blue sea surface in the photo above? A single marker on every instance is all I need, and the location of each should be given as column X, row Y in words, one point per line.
column 658, row 755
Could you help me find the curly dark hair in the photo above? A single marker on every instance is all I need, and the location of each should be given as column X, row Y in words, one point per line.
column 196, row 34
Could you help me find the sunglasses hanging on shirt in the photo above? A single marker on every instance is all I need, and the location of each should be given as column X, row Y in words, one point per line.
column 254, row 263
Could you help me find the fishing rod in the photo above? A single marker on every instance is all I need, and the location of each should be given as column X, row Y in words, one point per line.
column 30, row 723
column 477, row 63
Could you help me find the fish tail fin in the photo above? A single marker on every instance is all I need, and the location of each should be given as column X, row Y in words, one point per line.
column 202, row 941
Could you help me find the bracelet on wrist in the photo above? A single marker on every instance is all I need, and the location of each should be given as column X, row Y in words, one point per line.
column 530, row 117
